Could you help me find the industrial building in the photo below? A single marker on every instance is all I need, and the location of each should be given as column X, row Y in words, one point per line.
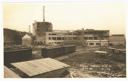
column 45, row 35
column 88, row 37
column 40, row 28
column 33, row 59
column 117, row 39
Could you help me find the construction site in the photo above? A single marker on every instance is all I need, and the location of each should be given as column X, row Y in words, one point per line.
column 84, row 62
column 47, row 53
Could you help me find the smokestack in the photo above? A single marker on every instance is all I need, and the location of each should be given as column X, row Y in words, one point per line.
column 29, row 29
column 43, row 13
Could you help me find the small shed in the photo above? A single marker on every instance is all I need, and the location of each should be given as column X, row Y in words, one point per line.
column 26, row 40
column 9, row 73
column 42, row 68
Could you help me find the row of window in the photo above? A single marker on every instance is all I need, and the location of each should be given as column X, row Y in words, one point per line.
column 86, row 33
column 93, row 43
column 62, row 34
column 62, row 38
column 56, row 38
column 74, row 38
column 90, row 44
column 90, row 38
column 55, row 43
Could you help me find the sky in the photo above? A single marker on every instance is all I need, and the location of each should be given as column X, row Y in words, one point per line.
column 88, row 14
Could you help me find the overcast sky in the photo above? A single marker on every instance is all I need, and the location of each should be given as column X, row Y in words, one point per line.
column 67, row 15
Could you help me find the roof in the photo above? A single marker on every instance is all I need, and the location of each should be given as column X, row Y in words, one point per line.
column 9, row 73
column 118, row 35
column 15, row 48
column 92, row 31
column 39, row 22
column 39, row 66
column 26, row 36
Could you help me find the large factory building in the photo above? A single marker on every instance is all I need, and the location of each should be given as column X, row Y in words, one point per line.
column 45, row 35
column 88, row 37
column 40, row 28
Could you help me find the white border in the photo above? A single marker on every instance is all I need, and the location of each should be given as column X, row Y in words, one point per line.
column 58, row 79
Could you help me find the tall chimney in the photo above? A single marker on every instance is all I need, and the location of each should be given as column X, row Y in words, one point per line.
column 29, row 29
column 43, row 13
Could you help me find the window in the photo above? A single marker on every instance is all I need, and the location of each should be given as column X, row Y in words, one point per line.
column 69, row 38
column 54, row 38
column 58, row 42
column 85, row 38
column 49, row 38
column 69, row 33
column 58, row 38
column 95, row 38
column 52, row 33
column 75, row 34
column 74, row 38
column 97, row 43
column 62, row 38
column 90, row 38
column 91, row 43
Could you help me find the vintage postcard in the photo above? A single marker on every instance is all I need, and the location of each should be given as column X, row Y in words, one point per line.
column 68, row 39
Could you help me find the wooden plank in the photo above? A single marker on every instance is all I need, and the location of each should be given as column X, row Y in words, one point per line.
column 102, row 52
column 51, row 65
column 9, row 73
column 56, row 63
column 26, row 69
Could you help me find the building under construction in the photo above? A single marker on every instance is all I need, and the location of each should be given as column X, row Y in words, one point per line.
column 45, row 35
column 40, row 28
column 88, row 37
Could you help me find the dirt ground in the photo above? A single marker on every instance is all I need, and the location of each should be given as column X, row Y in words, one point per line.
column 85, row 63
